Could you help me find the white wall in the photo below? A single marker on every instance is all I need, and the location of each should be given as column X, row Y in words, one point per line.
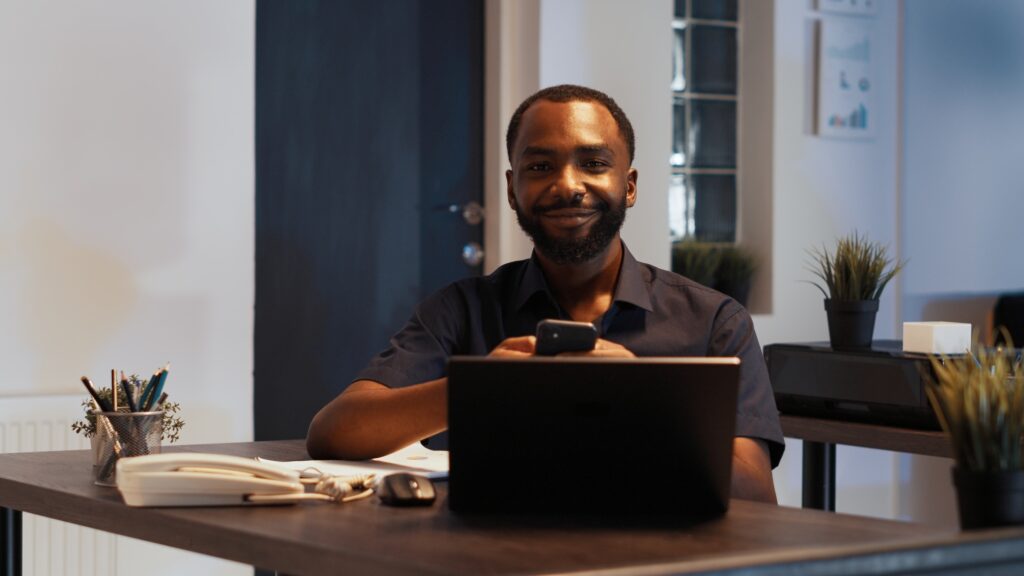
column 126, row 200
column 126, row 203
column 621, row 48
column 962, row 189
column 625, row 50
column 512, row 63
column 823, row 188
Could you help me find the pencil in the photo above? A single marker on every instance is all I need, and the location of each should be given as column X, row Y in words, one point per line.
column 113, row 387
column 148, row 388
column 95, row 395
column 159, row 387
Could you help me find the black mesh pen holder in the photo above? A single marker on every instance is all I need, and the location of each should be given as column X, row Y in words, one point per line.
column 122, row 435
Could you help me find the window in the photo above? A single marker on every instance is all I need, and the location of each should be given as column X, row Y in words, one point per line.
column 702, row 198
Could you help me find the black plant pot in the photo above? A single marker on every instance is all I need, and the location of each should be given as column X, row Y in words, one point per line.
column 989, row 499
column 739, row 291
column 851, row 323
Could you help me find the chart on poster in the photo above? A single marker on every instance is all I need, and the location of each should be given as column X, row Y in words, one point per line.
column 846, row 80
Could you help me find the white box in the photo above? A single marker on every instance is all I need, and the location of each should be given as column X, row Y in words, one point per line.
column 936, row 337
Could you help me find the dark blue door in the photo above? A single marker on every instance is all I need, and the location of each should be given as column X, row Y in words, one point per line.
column 368, row 130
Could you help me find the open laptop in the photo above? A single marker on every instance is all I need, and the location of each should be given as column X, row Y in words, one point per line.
column 591, row 436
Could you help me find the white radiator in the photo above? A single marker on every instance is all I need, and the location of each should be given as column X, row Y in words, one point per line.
column 49, row 547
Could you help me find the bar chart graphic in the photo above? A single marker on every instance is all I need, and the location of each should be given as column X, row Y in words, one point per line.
column 857, row 119
column 845, row 79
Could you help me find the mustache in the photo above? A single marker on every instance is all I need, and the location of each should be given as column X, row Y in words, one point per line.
column 562, row 203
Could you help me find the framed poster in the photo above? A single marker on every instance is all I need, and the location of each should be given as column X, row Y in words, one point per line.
column 846, row 79
column 854, row 7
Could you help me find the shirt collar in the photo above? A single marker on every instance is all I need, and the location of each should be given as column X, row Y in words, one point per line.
column 630, row 288
column 633, row 286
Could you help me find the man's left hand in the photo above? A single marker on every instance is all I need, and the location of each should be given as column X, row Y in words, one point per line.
column 603, row 349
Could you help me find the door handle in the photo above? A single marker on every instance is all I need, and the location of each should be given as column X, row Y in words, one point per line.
column 472, row 254
column 472, row 212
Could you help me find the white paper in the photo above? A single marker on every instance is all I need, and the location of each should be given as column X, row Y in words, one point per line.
column 413, row 458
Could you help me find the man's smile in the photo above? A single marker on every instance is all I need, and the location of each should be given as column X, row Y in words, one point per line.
column 569, row 217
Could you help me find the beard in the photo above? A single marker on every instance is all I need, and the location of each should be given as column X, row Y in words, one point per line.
column 573, row 250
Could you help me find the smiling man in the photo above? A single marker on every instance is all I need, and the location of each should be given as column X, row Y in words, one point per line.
column 570, row 184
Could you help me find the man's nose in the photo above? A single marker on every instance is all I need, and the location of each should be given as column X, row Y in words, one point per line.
column 569, row 184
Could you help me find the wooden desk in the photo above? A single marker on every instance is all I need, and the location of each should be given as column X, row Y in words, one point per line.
column 367, row 538
column 820, row 437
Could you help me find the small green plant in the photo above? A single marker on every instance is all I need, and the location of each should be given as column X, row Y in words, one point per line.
column 172, row 423
column 979, row 401
column 858, row 269
column 736, row 267
column 725, row 267
column 698, row 261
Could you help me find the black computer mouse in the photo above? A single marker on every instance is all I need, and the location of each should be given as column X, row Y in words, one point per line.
column 405, row 489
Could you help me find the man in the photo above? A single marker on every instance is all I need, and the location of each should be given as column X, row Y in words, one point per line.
column 571, row 152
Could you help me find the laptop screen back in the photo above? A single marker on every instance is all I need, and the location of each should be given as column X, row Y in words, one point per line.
column 591, row 436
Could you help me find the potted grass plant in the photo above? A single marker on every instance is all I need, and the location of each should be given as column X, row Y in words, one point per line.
column 735, row 273
column 698, row 261
column 852, row 278
column 979, row 401
column 725, row 267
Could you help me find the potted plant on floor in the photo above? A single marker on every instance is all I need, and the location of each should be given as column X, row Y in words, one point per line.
column 852, row 280
column 698, row 261
column 725, row 267
column 735, row 273
column 979, row 400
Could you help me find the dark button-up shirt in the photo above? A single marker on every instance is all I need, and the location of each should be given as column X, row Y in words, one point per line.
column 653, row 313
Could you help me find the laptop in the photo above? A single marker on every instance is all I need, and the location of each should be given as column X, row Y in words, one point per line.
column 559, row 435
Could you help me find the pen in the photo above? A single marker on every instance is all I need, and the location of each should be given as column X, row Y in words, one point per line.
column 149, row 388
column 158, row 388
column 109, row 428
column 160, row 402
column 100, row 402
column 128, row 396
column 101, row 421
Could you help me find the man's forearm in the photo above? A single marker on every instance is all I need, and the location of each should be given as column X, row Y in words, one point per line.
column 369, row 419
column 751, row 471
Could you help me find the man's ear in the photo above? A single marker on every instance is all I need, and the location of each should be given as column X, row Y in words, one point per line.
column 631, row 187
column 509, row 191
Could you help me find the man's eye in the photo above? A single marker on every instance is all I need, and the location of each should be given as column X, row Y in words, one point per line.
column 539, row 167
column 595, row 164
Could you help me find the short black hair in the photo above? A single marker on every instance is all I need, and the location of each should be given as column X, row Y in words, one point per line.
column 572, row 93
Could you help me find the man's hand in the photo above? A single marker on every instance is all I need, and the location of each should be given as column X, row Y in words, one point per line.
column 518, row 347
column 523, row 346
column 369, row 419
column 603, row 349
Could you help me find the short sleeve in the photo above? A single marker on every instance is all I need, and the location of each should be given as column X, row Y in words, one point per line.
column 419, row 351
column 756, row 414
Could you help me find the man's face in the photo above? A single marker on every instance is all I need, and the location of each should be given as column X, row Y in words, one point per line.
column 571, row 180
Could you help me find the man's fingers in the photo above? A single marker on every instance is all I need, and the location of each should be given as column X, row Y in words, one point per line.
column 516, row 347
column 603, row 349
column 521, row 346
column 503, row 353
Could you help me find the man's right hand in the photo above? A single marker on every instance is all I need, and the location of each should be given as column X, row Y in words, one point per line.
column 523, row 346
column 369, row 419
column 517, row 347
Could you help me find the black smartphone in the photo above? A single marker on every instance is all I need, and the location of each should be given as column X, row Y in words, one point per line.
column 557, row 336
